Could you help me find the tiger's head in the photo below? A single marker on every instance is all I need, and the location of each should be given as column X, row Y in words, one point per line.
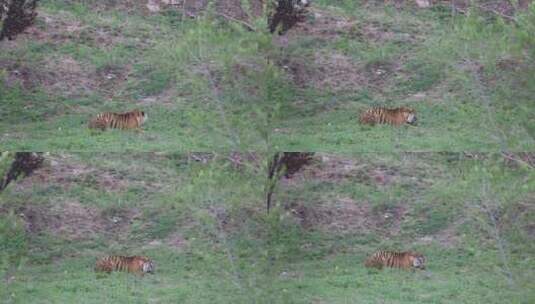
column 417, row 260
column 143, row 116
column 145, row 264
column 409, row 115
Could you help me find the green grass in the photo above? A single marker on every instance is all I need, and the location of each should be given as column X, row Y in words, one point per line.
column 206, row 228
column 444, row 67
column 153, row 198
column 206, row 84
column 186, row 74
column 325, row 265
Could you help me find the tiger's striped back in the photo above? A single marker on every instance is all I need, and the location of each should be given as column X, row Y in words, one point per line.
column 134, row 264
column 404, row 260
column 382, row 115
column 129, row 120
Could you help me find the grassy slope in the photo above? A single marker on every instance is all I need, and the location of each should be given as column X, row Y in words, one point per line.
column 80, row 61
column 205, row 228
column 163, row 207
column 447, row 68
column 206, row 84
column 429, row 204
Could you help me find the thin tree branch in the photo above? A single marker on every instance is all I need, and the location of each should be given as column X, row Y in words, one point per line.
column 244, row 23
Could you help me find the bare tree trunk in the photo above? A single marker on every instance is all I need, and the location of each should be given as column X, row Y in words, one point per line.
column 274, row 167
column 287, row 163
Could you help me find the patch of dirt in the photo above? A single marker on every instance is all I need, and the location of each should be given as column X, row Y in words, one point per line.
column 111, row 77
column 256, row 7
column 64, row 172
column 232, row 9
column 342, row 216
column 167, row 98
column 500, row 6
column 324, row 25
column 378, row 33
column 328, row 70
column 190, row 7
column 19, row 75
column 346, row 216
column 332, row 70
column 378, row 73
column 333, row 168
column 55, row 29
column 328, row 26
column 176, row 240
column 447, row 238
column 337, row 72
column 56, row 74
column 73, row 221
column 65, row 74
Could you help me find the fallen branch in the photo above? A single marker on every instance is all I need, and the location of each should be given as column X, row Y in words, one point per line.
column 244, row 23
column 511, row 157
column 486, row 10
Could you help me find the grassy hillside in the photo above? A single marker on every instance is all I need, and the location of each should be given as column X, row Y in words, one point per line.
column 192, row 77
column 341, row 210
column 191, row 218
column 202, row 219
column 470, row 79
column 208, row 82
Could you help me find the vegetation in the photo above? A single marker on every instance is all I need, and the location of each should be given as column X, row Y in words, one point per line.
column 269, row 225
column 468, row 77
column 202, row 219
column 211, row 83
column 178, row 211
column 185, row 73
column 16, row 16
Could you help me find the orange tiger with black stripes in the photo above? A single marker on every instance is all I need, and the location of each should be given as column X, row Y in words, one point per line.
column 405, row 260
column 129, row 120
column 382, row 115
column 133, row 264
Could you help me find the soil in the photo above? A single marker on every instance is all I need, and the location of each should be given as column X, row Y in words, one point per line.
column 73, row 221
column 65, row 172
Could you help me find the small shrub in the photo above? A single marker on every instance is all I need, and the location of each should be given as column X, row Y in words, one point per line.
column 287, row 13
column 16, row 16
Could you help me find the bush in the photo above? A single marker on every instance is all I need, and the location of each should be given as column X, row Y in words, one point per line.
column 16, row 16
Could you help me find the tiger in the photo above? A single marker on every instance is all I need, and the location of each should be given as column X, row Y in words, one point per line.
column 405, row 260
column 129, row 120
column 133, row 264
column 382, row 115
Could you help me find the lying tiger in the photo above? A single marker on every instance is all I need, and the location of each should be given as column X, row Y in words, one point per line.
column 129, row 120
column 381, row 115
column 133, row 264
column 405, row 260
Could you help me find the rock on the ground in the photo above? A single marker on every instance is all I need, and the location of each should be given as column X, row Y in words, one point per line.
column 423, row 3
